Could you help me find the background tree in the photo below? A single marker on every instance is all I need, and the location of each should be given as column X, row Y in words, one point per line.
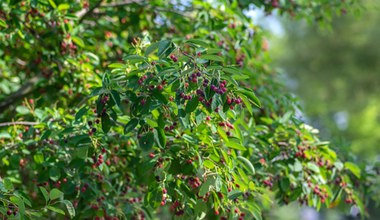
column 336, row 75
column 152, row 109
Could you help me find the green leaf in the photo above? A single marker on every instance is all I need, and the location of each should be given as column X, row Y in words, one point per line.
column 5, row 135
column 55, row 194
column 247, row 164
column 211, row 57
column 55, row 209
column 19, row 202
column 80, row 113
column 234, row 145
column 44, row 193
column 38, row 158
column 52, row 3
column 163, row 46
column 247, row 104
column 192, row 105
column 54, row 173
column 78, row 41
column 116, row 97
column 131, row 125
column 251, row 95
column 80, row 152
column 297, row 166
column 106, row 123
column 116, row 65
column 231, row 70
column 62, row 7
column 70, row 208
column 353, row 168
column 207, row 186
column 22, row 110
column 213, row 50
column 134, row 58
column 8, row 184
column 151, row 123
column 198, row 42
column 222, row 134
column 208, row 164
column 284, row 184
column 151, row 48
column 146, row 141
column 234, row 194
column 160, row 137
column 313, row 167
column 3, row 23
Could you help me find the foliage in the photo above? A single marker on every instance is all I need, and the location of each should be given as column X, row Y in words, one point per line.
column 134, row 110
column 338, row 82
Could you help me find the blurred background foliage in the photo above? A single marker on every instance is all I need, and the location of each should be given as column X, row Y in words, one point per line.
column 336, row 74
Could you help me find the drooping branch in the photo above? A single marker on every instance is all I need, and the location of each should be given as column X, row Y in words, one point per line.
column 19, row 94
column 4, row 124
column 82, row 14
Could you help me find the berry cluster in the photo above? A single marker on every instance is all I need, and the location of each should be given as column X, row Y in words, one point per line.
column 176, row 207
column 12, row 210
column 70, row 48
column 99, row 160
column 185, row 97
column 142, row 79
column 221, row 89
column 301, row 152
column 321, row 193
column 171, row 127
column 194, row 77
column 164, row 196
column 173, row 57
column 268, row 182
column 194, row 182
column 240, row 59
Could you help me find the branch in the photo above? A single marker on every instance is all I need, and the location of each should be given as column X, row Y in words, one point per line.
column 22, row 92
column 4, row 124
column 119, row 4
column 82, row 14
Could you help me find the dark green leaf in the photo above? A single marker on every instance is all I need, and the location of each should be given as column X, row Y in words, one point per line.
column 78, row 41
column 44, row 193
column 70, row 208
column 251, row 95
column 19, row 202
column 131, row 125
column 106, row 123
column 192, row 105
column 353, row 168
column 201, row 43
column 211, row 57
column 54, row 173
column 247, row 164
column 151, row 48
column 234, row 194
column 146, row 141
column 160, row 137
column 284, row 184
column 80, row 113
column 55, row 209
column 163, row 46
column 55, row 194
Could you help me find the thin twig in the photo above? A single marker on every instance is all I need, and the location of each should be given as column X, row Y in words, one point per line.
column 82, row 14
column 4, row 124
column 119, row 4
column 26, row 89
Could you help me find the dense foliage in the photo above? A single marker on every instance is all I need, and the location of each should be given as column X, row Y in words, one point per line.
column 150, row 109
